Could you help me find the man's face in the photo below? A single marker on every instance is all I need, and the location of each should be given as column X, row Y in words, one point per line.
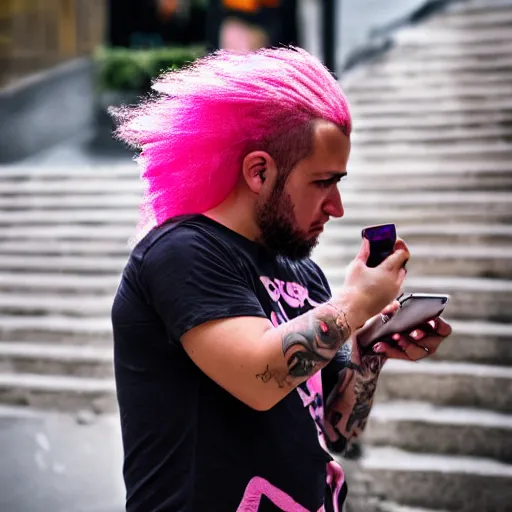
column 291, row 217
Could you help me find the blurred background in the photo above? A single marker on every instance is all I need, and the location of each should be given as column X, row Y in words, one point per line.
column 430, row 87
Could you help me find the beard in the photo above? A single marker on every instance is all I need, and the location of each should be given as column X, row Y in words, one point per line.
column 279, row 231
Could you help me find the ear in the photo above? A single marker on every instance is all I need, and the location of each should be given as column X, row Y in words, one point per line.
column 259, row 170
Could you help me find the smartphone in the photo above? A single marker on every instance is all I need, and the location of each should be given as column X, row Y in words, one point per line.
column 382, row 240
column 415, row 309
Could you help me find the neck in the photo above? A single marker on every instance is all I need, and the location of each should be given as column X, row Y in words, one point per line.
column 236, row 213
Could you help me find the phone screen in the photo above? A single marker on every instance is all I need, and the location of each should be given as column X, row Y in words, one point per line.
column 382, row 242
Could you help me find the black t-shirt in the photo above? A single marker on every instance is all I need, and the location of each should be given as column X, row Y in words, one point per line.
column 189, row 445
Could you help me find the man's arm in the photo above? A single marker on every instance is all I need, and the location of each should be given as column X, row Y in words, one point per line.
column 260, row 364
column 349, row 404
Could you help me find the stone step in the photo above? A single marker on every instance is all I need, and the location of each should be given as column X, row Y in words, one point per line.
column 33, row 282
column 65, row 247
column 473, row 18
column 468, row 234
column 395, row 181
column 23, row 172
column 74, row 185
column 442, row 151
column 425, row 428
column 447, row 383
column 391, row 506
column 438, row 154
column 388, row 65
column 457, row 120
column 93, row 217
column 56, row 328
column 435, row 214
column 482, row 50
column 496, row 199
column 456, row 483
column 438, row 260
column 74, row 264
column 73, row 305
column 56, row 359
column 488, row 182
column 69, row 232
column 352, row 82
column 439, row 135
column 62, row 393
column 479, row 5
column 69, row 201
column 478, row 342
column 424, row 169
column 446, row 107
column 426, row 37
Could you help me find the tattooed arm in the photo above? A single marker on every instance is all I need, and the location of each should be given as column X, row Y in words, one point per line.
column 349, row 403
column 350, row 380
column 260, row 364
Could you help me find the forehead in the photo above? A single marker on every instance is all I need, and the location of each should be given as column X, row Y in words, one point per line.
column 331, row 147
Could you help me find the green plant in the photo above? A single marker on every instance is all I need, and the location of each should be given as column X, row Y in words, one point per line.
column 132, row 70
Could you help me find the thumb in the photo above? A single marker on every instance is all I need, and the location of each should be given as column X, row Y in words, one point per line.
column 364, row 252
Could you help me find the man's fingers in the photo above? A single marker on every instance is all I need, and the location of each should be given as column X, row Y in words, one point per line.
column 384, row 349
column 417, row 348
column 391, row 308
column 364, row 252
column 400, row 255
column 442, row 327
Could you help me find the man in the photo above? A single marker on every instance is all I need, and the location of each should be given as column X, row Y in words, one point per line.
column 227, row 338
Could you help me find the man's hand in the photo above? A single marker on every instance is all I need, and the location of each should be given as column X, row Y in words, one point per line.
column 373, row 288
column 421, row 342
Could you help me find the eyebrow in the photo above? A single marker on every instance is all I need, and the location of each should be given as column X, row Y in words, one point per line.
column 333, row 174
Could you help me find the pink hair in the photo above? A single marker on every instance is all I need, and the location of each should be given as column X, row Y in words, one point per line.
column 208, row 116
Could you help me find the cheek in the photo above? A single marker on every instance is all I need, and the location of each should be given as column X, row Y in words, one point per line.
column 306, row 210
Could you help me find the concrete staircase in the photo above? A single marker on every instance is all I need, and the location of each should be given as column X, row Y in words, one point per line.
column 432, row 152
column 63, row 244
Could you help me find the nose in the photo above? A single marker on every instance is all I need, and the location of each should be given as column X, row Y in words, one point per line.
column 333, row 205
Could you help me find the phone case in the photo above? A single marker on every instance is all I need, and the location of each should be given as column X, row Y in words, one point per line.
column 414, row 309
column 382, row 240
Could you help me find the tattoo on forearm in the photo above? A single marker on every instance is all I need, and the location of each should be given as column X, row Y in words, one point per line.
column 269, row 374
column 349, row 405
column 313, row 346
column 365, row 387
column 309, row 343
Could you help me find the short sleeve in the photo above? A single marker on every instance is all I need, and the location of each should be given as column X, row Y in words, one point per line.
column 191, row 277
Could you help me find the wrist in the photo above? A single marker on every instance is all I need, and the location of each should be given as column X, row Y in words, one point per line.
column 352, row 303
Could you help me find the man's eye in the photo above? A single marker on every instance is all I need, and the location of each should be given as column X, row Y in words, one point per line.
column 323, row 183
column 327, row 183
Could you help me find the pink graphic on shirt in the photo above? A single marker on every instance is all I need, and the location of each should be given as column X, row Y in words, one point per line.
column 259, row 487
column 335, row 480
column 293, row 294
column 312, row 398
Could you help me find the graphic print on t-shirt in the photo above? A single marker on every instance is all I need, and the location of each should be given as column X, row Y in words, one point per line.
column 293, row 295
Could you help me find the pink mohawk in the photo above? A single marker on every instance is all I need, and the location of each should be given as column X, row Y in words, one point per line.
column 208, row 116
